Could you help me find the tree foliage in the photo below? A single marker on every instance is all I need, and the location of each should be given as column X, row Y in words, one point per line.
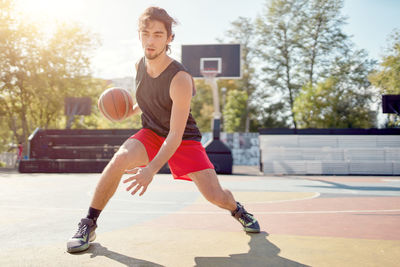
column 306, row 52
column 293, row 48
column 279, row 32
column 321, row 37
column 37, row 71
column 387, row 77
column 233, row 112
column 343, row 100
column 202, row 106
column 243, row 31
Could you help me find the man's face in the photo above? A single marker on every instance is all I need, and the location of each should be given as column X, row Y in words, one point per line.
column 154, row 39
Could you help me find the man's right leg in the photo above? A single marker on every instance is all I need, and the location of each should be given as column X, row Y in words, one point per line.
column 130, row 155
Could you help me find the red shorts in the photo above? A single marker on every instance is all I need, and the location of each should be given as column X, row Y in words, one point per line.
column 189, row 157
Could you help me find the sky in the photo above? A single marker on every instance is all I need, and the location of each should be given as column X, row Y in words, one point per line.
column 370, row 23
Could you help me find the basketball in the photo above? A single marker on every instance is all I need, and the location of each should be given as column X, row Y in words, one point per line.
column 115, row 103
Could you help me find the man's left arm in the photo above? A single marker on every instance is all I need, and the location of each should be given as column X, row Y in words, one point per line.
column 181, row 95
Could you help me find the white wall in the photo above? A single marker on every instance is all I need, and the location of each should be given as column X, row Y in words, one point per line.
column 330, row 154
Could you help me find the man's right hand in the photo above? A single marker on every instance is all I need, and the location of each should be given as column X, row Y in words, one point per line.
column 135, row 110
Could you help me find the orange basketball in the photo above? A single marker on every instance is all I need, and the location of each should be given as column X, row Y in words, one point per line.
column 115, row 103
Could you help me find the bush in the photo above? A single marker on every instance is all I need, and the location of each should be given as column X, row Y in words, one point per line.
column 2, row 164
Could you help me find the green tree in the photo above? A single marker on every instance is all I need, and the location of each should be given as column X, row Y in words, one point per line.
column 202, row 106
column 37, row 72
column 305, row 51
column 343, row 100
column 279, row 32
column 18, row 56
column 5, row 133
column 270, row 115
column 202, row 103
column 321, row 37
column 64, row 71
column 243, row 31
column 234, row 111
column 387, row 77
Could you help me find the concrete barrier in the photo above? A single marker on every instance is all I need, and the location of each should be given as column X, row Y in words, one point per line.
column 330, row 153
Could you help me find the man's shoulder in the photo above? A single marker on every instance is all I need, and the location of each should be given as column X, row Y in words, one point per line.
column 138, row 63
column 182, row 82
column 180, row 71
column 182, row 76
column 179, row 66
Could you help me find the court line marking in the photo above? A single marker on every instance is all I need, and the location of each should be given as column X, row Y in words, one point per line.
column 315, row 195
column 391, row 180
column 256, row 212
column 208, row 212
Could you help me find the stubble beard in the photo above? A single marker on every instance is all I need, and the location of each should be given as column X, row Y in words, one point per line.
column 151, row 57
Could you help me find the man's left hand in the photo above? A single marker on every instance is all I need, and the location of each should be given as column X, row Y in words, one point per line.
column 141, row 179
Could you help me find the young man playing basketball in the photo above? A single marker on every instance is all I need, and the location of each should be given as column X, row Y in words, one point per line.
column 164, row 91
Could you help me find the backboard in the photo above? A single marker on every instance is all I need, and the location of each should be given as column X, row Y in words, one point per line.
column 77, row 106
column 225, row 59
column 391, row 104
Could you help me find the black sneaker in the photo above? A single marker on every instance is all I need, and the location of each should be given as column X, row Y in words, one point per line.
column 250, row 224
column 85, row 234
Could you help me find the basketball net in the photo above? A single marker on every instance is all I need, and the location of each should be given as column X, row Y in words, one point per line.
column 209, row 73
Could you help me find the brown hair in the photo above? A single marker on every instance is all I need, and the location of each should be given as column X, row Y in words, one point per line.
column 159, row 14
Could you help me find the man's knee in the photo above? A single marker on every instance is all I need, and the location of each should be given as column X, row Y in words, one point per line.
column 120, row 160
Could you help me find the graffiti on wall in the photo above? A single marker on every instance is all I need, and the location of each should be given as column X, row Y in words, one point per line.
column 245, row 147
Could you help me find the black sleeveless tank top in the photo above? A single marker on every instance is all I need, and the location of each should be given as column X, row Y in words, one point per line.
column 152, row 96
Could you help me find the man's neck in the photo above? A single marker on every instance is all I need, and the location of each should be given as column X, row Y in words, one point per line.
column 155, row 66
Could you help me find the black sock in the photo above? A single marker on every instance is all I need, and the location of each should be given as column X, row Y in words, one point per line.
column 236, row 210
column 93, row 214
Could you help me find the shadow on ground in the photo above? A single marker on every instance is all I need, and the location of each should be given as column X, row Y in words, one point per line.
column 349, row 187
column 262, row 253
column 97, row 250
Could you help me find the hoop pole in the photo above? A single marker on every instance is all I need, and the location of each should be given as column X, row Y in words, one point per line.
column 212, row 81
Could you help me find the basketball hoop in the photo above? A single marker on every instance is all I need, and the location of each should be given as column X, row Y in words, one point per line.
column 209, row 73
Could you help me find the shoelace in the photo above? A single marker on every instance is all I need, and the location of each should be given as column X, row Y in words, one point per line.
column 248, row 216
column 81, row 230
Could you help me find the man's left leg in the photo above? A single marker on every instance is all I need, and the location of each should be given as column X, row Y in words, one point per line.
column 208, row 184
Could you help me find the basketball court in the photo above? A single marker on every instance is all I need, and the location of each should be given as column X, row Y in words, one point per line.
column 305, row 221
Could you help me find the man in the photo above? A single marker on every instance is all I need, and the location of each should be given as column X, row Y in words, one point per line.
column 164, row 91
